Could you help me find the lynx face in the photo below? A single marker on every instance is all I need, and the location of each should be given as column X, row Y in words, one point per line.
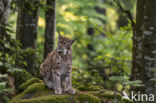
column 64, row 44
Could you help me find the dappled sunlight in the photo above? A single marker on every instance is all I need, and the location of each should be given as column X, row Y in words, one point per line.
column 112, row 18
column 41, row 22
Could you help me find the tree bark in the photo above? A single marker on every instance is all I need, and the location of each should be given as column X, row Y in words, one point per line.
column 4, row 13
column 149, row 43
column 137, row 72
column 26, row 30
column 50, row 27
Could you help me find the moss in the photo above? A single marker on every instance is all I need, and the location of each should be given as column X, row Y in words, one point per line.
column 126, row 101
column 88, row 98
column 29, row 82
column 107, row 96
column 30, row 92
column 39, row 93
column 36, row 87
column 89, row 88
column 47, row 99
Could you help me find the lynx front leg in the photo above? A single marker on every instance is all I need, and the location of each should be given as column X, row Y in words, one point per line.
column 67, row 84
column 57, row 85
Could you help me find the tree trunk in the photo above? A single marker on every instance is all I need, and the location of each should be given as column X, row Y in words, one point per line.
column 26, row 30
column 4, row 13
column 50, row 27
column 137, row 55
column 149, row 43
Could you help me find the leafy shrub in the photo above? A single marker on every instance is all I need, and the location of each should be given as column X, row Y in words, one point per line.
column 5, row 88
column 13, row 54
column 20, row 75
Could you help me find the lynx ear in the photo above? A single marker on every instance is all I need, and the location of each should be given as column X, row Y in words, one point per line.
column 73, row 41
column 59, row 34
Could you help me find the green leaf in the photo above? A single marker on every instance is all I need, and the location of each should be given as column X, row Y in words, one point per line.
column 117, row 78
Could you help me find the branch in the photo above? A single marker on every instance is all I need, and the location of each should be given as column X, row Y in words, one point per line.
column 125, row 11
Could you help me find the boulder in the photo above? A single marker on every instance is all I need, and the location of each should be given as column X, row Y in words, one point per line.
column 34, row 91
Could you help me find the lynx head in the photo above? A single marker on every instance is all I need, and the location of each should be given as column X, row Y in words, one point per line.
column 64, row 44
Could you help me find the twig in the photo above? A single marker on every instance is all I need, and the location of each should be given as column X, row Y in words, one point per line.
column 126, row 11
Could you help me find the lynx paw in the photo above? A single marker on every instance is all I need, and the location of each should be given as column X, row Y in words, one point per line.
column 71, row 91
column 58, row 91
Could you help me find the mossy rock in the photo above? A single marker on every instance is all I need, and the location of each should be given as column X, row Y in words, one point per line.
column 39, row 93
column 89, row 87
column 29, row 82
column 104, row 95
column 36, row 92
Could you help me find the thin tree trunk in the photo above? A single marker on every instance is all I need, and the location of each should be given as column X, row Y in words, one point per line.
column 4, row 13
column 50, row 27
column 149, row 43
column 26, row 30
column 137, row 57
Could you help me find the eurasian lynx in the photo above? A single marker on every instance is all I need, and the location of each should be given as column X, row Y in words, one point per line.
column 56, row 69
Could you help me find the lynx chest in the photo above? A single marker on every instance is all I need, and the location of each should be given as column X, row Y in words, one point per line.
column 65, row 66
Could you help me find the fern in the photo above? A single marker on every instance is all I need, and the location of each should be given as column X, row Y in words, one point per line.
column 4, row 89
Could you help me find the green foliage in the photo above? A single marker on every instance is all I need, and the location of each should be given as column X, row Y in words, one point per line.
column 12, row 61
column 13, row 56
column 29, row 5
column 5, row 88
column 20, row 76
column 112, row 56
column 125, row 82
column 117, row 79
column 136, row 83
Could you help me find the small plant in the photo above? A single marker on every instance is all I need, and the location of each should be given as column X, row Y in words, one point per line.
column 125, row 82
column 5, row 89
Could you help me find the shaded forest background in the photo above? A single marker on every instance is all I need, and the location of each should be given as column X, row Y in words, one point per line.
column 102, row 53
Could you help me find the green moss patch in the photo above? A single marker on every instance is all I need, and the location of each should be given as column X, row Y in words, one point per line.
column 109, row 94
column 29, row 82
column 88, row 98
column 36, row 92
column 39, row 93
column 106, row 96
column 89, row 88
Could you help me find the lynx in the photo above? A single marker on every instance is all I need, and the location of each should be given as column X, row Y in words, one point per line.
column 56, row 69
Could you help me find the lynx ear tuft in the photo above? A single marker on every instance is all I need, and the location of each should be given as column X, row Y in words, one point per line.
column 73, row 41
column 59, row 34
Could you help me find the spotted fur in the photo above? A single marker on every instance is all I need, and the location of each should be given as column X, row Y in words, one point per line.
column 56, row 69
